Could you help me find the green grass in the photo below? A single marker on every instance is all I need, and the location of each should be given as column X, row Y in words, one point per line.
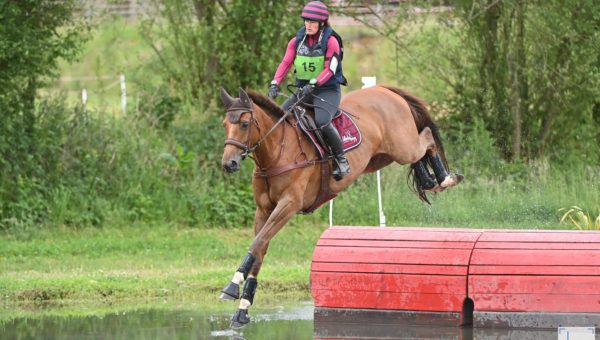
column 143, row 262
column 528, row 200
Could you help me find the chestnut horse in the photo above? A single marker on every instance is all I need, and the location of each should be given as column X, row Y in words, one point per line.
column 395, row 126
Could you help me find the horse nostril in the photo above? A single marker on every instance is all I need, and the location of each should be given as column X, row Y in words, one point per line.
column 231, row 166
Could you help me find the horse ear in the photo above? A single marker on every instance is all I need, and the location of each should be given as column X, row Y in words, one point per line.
column 246, row 101
column 226, row 98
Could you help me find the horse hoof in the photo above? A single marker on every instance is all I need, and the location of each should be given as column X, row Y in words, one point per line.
column 452, row 180
column 230, row 292
column 437, row 188
column 240, row 318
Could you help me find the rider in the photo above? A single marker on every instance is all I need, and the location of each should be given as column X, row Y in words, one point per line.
column 316, row 54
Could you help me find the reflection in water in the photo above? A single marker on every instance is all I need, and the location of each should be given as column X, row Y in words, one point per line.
column 267, row 323
column 340, row 330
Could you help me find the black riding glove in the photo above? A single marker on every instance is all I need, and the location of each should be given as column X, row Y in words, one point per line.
column 307, row 89
column 273, row 91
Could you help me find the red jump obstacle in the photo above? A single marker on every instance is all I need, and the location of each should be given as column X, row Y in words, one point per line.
column 488, row 278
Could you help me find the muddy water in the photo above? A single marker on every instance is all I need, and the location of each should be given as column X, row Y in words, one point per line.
column 280, row 322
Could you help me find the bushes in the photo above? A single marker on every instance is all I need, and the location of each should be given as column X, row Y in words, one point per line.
column 96, row 169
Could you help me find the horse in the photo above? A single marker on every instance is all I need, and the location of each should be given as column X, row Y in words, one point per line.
column 289, row 176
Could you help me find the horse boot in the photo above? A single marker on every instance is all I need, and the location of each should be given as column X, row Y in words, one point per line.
column 232, row 290
column 241, row 318
column 444, row 179
column 424, row 178
column 333, row 139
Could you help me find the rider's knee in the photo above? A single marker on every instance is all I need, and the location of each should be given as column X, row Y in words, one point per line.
column 322, row 118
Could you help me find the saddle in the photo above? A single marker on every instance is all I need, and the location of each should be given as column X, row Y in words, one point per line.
column 342, row 121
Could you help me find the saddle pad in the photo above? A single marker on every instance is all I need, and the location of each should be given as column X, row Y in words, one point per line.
column 347, row 128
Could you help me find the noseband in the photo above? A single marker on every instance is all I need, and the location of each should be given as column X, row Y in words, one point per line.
column 246, row 146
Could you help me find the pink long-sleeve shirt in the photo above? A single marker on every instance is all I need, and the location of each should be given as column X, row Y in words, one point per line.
column 333, row 47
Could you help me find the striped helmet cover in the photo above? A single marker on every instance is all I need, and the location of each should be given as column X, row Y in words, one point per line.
column 315, row 10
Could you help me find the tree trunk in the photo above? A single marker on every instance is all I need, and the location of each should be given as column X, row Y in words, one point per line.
column 516, row 67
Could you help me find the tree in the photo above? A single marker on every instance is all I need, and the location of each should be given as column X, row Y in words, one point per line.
column 34, row 35
column 201, row 45
column 528, row 69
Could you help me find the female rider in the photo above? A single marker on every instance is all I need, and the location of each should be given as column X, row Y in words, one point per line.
column 316, row 55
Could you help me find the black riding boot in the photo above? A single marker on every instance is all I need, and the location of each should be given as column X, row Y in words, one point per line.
column 333, row 139
column 438, row 168
column 424, row 177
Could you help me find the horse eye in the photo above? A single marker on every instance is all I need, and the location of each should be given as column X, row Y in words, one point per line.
column 244, row 124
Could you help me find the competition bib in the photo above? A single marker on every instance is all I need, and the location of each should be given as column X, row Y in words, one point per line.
column 308, row 68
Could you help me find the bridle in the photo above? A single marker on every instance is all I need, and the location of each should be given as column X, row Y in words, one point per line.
column 245, row 146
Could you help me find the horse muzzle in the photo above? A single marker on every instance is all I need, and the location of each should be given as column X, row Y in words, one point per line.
column 230, row 166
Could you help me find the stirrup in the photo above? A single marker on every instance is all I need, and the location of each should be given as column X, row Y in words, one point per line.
column 341, row 167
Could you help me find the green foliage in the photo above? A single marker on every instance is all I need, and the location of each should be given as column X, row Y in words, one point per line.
column 529, row 70
column 580, row 219
column 494, row 194
column 34, row 35
column 202, row 45
column 533, row 75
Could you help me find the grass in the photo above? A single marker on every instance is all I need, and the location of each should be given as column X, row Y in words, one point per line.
column 145, row 263
column 528, row 199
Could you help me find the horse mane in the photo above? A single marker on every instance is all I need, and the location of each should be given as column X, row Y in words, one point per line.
column 269, row 106
column 423, row 119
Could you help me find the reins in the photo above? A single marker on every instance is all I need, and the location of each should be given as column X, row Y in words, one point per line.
column 248, row 149
column 246, row 146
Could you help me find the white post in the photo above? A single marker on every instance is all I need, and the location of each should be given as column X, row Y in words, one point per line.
column 381, row 214
column 370, row 82
column 123, row 94
column 84, row 100
column 330, row 213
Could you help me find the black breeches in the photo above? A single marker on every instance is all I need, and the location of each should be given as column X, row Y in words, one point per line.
column 326, row 108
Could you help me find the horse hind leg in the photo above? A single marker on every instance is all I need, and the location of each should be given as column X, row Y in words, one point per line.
column 425, row 180
column 429, row 155
column 444, row 178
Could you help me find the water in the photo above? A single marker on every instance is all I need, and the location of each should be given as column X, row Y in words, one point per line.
column 280, row 322
column 212, row 322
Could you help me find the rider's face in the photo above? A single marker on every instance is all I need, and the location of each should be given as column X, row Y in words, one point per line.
column 312, row 27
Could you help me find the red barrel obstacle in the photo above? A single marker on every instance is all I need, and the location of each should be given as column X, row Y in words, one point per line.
column 490, row 278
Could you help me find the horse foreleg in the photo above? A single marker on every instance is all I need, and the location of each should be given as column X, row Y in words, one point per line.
column 282, row 213
column 232, row 290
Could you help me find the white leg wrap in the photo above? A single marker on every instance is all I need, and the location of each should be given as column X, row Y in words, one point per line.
column 448, row 182
column 244, row 304
column 238, row 277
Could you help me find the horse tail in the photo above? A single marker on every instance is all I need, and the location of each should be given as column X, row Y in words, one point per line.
column 423, row 119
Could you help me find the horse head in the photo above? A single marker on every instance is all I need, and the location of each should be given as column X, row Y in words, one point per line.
column 238, row 127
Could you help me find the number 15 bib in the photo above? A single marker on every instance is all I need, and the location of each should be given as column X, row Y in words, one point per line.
column 309, row 67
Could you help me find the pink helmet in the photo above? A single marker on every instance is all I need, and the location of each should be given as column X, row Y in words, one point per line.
column 316, row 11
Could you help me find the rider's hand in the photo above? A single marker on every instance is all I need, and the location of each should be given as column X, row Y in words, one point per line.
column 307, row 89
column 273, row 91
